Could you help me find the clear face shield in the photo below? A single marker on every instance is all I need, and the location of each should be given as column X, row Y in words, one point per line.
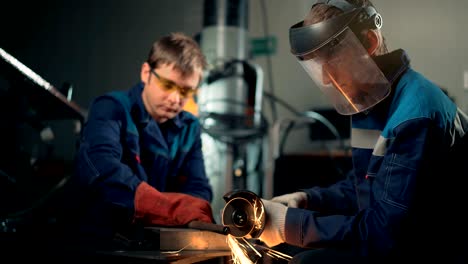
column 347, row 75
column 339, row 65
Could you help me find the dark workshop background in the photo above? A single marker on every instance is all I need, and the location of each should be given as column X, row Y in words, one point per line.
column 99, row 45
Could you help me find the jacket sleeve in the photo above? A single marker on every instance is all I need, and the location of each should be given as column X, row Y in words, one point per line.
column 108, row 183
column 338, row 198
column 193, row 170
column 411, row 153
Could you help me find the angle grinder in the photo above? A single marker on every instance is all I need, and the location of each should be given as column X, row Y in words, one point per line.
column 244, row 214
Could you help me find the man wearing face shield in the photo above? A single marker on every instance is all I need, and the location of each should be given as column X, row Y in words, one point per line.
column 404, row 194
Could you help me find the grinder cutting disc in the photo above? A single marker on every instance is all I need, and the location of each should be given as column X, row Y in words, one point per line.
column 244, row 214
column 238, row 214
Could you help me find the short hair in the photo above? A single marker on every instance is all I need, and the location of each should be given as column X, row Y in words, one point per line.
column 180, row 50
column 322, row 12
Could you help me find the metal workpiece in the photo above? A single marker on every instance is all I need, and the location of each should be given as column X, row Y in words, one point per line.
column 175, row 245
column 221, row 229
column 174, row 239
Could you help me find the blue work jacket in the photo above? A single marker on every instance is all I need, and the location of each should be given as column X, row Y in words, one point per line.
column 400, row 195
column 121, row 146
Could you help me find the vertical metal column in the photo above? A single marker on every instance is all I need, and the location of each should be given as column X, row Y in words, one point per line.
column 230, row 101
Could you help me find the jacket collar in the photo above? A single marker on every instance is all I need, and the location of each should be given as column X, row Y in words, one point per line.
column 393, row 64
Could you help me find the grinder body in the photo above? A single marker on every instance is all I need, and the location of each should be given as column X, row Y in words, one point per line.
column 244, row 214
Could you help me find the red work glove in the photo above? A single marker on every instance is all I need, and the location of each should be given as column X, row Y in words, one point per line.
column 169, row 209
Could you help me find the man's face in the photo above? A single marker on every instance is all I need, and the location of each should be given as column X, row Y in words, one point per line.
column 339, row 73
column 344, row 70
column 166, row 91
column 355, row 81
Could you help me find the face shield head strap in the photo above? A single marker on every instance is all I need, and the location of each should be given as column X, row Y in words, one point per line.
column 340, row 4
column 369, row 19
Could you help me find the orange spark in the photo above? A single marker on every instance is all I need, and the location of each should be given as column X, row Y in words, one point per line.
column 258, row 216
column 335, row 83
column 239, row 252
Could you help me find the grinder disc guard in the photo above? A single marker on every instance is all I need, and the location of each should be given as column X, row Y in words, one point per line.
column 243, row 214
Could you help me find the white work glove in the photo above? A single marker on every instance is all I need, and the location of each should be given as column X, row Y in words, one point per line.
column 294, row 200
column 275, row 217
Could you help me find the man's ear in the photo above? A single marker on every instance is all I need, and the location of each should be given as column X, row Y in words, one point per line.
column 145, row 72
column 372, row 42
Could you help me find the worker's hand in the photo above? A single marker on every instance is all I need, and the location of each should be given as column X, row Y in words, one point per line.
column 169, row 209
column 294, row 200
column 273, row 233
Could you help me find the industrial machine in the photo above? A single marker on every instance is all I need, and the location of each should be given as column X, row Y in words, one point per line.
column 39, row 131
column 39, row 122
column 230, row 102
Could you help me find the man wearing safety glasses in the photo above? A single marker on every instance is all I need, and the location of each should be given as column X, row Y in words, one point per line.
column 140, row 159
column 404, row 196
